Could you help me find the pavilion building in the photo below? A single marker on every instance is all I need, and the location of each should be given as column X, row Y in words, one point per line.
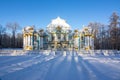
column 58, row 36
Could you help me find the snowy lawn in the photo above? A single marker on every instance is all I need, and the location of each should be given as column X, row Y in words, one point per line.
column 63, row 66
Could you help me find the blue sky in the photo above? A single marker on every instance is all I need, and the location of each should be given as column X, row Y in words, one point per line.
column 40, row 12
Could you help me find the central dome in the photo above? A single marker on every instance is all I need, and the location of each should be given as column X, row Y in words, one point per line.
column 58, row 22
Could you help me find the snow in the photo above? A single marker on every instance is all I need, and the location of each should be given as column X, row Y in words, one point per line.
column 61, row 65
column 58, row 22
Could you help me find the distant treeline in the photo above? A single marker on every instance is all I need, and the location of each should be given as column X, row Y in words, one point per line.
column 105, row 36
column 8, row 40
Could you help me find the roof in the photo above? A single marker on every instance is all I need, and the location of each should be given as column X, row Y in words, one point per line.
column 58, row 22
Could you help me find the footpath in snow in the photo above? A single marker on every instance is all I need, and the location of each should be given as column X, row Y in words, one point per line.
column 66, row 65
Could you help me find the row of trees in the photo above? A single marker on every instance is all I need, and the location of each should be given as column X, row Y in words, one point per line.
column 8, row 40
column 107, row 36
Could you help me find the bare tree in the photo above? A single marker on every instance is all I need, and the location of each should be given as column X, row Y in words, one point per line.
column 19, row 40
column 13, row 26
column 2, row 31
column 114, row 30
column 96, row 30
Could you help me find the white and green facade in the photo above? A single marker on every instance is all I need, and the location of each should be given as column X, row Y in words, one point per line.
column 57, row 36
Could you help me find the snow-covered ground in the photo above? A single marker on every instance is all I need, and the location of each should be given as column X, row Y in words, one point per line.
column 66, row 65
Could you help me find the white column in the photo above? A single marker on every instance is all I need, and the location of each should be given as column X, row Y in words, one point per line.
column 66, row 37
column 91, row 41
column 28, row 40
column 24, row 41
column 49, row 37
column 80, row 41
column 62, row 37
column 76, row 42
column 31, row 40
column 41, row 42
column 85, row 41
column 55, row 37
column 88, row 40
